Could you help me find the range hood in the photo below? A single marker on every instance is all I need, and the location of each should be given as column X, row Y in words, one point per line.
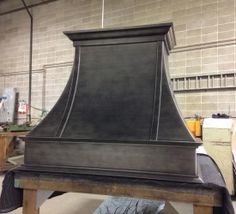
column 117, row 115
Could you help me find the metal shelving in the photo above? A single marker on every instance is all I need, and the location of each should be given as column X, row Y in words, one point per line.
column 204, row 82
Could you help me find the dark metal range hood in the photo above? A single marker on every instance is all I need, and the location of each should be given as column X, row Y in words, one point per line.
column 117, row 115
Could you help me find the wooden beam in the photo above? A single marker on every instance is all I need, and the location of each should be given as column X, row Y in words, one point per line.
column 30, row 201
column 189, row 195
column 202, row 209
column 4, row 143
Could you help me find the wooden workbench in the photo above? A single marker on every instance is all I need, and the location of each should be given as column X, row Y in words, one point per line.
column 5, row 140
column 203, row 199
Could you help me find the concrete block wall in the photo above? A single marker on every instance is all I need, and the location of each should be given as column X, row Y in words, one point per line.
column 205, row 32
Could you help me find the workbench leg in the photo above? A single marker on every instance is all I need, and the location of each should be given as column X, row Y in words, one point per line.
column 30, row 202
column 3, row 151
column 202, row 209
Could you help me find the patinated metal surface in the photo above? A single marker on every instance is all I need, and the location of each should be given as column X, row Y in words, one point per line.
column 117, row 115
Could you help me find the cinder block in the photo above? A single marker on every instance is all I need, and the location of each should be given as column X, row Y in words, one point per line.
column 210, row 60
column 209, row 29
column 209, row 98
column 193, row 69
column 226, row 67
column 226, row 35
column 226, row 27
column 211, row 37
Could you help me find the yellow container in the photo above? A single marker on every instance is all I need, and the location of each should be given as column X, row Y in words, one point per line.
column 198, row 128
column 191, row 124
column 195, row 126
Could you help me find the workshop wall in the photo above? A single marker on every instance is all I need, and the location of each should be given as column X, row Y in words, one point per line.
column 205, row 33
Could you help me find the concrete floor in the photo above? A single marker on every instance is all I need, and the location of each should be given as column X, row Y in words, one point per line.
column 76, row 203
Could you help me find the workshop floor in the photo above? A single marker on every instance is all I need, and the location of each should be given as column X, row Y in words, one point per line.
column 75, row 203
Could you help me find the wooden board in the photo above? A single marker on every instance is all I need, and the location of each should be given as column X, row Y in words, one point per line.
column 202, row 209
column 201, row 197
column 29, row 202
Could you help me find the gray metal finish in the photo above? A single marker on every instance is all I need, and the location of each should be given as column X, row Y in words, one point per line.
column 122, row 159
column 117, row 115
